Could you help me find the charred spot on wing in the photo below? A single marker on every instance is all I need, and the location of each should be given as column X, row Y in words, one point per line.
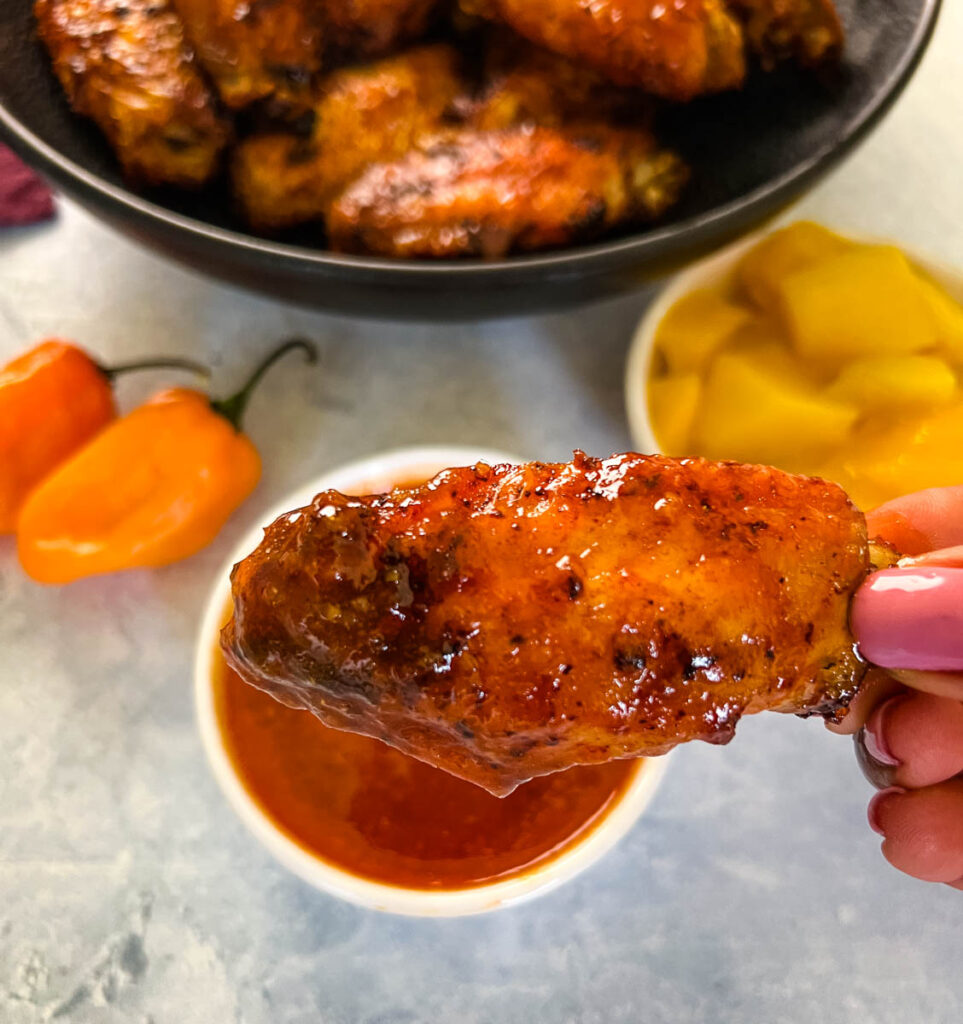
column 293, row 74
column 523, row 747
column 575, row 587
column 630, row 658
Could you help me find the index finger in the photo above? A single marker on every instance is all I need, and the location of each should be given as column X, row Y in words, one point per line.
column 920, row 522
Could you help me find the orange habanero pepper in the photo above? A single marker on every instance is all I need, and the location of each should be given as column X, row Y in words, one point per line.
column 53, row 400
column 154, row 487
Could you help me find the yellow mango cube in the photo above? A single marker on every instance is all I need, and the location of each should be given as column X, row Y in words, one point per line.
column 751, row 413
column 673, row 402
column 769, row 353
column 863, row 302
column 948, row 315
column 800, row 245
column 885, row 461
column 894, row 382
column 695, row 327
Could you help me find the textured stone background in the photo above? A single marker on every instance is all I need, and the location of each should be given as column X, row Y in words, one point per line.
column 752, row 892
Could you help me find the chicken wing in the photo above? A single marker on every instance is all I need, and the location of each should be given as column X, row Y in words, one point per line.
column 808, row 30
column 506, row 622
column 373, row 28
column 255, row 49
column 365, row 114
column 484, row 193
column 125, row 64
column 527, row 84
column 676, row 50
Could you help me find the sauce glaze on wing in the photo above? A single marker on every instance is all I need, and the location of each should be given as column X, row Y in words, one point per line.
column 255, row 49
column 363, row 115
column 126, row 65
column 505, row 622
column 676, row 50
column 489, row 193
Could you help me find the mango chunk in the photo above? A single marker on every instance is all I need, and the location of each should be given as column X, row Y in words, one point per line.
column 863, row 302
column 894, row 382
column 783, row 252
column 774, row 356
column 948, row 315
column 751, row 413
column 673, row 402
column 884, row 462
column 697, row 325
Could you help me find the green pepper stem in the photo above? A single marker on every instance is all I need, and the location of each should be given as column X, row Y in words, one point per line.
column 232, row 409
column 113, row 372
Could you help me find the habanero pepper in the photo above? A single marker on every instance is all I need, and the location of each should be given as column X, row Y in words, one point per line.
column 53, row 400
column 154, row 487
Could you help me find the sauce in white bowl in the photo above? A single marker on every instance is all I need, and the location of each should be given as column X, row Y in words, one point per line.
column 363, row 822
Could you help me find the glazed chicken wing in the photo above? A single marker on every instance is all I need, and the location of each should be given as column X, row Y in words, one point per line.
column 125, row 64
column 808, row 30
column 255, row 49
column 365, row 114
column 488, row 193
column 676, row 50
column 506, row 622
column 372, row 28
column 527, row 84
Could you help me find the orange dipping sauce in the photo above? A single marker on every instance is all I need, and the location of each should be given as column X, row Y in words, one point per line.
column 369, row 810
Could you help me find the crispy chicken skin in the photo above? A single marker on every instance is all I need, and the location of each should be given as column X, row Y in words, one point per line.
column 255, row 49
column 365, row 114
column 125, row 64
column 373, row 28
column 527, row 84
column 485, row 193
column 675, row 50
column 506, row 622
column 808, row 30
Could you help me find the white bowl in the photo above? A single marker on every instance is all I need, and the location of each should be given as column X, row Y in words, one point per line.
column 711, row 272
column 369, row 476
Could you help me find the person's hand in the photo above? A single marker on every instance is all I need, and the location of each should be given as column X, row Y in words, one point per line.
column 908, row 719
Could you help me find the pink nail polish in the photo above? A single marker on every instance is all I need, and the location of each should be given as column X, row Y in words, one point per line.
column 872, row 812
column 911, row 618
column 874, row 734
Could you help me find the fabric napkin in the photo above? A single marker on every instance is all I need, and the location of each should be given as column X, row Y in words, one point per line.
column 24, row 198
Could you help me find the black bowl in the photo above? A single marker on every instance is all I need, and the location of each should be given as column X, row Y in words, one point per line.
column 751, row 152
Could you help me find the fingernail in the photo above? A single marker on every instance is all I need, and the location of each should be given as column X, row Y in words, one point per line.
column 948, row 558
column 872, row 812
column 911, row 618
column 877, row 772
column 874, row 734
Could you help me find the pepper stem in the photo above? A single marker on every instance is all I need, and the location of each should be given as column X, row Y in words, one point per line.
column 115, row 371
column 232, row 409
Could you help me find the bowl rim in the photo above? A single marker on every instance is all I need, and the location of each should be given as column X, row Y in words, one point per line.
column 71, row 176
column 712, row 270
column 368, row 474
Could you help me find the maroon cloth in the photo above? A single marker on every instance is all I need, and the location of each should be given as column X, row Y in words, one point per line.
column 24, row 198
